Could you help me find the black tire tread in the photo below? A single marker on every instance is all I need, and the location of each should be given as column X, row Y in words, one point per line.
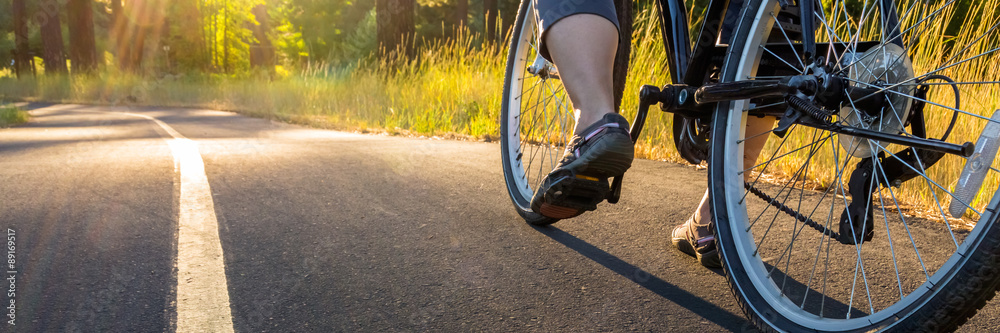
column 963, row 296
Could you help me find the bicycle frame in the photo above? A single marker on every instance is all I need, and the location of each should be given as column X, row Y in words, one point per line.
column 685, row 62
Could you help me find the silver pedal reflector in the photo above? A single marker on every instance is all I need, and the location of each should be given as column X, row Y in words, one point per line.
column 976, row 167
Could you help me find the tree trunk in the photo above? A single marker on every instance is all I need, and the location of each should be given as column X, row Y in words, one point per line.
column 47, row 18
column 490, row 9
column 82, row 49
column 21, row 57
column 213, row 40
column 135, row 54
column 395, row 29
column 205, row 28
column 143, row 19
column 225, row 36
column 119, row 35
column 461, row 13
column 183, row 37
column 261, row 52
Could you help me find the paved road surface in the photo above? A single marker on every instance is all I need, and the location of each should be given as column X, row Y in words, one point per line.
column 328, row 231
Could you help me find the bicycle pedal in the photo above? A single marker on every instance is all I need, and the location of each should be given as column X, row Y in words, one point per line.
column 579, row 192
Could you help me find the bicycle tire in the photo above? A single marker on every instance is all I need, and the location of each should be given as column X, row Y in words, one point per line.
column 774, row 291
column 522, row 177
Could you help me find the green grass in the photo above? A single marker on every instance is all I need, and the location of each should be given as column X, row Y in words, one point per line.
column 11, row 115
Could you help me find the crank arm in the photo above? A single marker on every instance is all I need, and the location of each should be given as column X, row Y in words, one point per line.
column 648, row 95
column 698, row 102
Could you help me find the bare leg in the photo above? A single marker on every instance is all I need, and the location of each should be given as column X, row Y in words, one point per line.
column 751, row 150
column 583, row 48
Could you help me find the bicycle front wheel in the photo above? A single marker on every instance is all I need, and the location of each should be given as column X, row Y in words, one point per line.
column 825, row 232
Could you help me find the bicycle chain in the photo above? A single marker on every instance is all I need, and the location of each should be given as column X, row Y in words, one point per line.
column 787, row 210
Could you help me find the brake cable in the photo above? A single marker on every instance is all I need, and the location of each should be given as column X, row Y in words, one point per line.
column 958, row 100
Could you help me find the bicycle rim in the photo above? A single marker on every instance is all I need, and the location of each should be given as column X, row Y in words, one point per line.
column 775, row 216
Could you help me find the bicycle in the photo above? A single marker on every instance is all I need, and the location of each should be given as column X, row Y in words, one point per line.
column 854, row 103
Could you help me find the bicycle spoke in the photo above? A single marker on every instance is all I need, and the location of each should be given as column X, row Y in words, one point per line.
column 888, row 234
column 793, row 180
column 926, row 101
column 886, row 42
column 754, row 136
column 918, row 77
column 536, row 147
column 916, row 250
column 529, row 88
column 786, row 154
column 922, row 173
column 765, row 106
column 924, row 169
column 806, row 165
column 789, row 40
column 822, row 180
column 782, row 60
column 829, row 221
column 950, row 83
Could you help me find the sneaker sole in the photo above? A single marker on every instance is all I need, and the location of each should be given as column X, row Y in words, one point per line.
column 574, row 195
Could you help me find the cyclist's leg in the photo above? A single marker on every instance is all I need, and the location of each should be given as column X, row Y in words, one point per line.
column 696, row 236
column 581, row 38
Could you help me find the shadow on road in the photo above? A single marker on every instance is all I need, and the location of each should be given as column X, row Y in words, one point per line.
column 681, row 297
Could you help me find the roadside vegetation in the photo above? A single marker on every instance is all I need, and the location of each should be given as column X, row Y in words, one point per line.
column 453, row 90
column 11, row 115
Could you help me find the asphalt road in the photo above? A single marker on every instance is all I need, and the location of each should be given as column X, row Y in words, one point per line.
column 329, row 231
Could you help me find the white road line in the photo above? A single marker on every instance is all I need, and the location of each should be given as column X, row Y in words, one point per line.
column 202, row 291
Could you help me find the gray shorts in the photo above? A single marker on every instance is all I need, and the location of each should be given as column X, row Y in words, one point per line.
column 549, row 12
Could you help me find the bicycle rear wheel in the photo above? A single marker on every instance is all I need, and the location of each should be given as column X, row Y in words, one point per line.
column 920, row 266
column 536, row 120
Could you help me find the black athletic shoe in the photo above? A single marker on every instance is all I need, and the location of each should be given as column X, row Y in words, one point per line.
column 580, row 181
